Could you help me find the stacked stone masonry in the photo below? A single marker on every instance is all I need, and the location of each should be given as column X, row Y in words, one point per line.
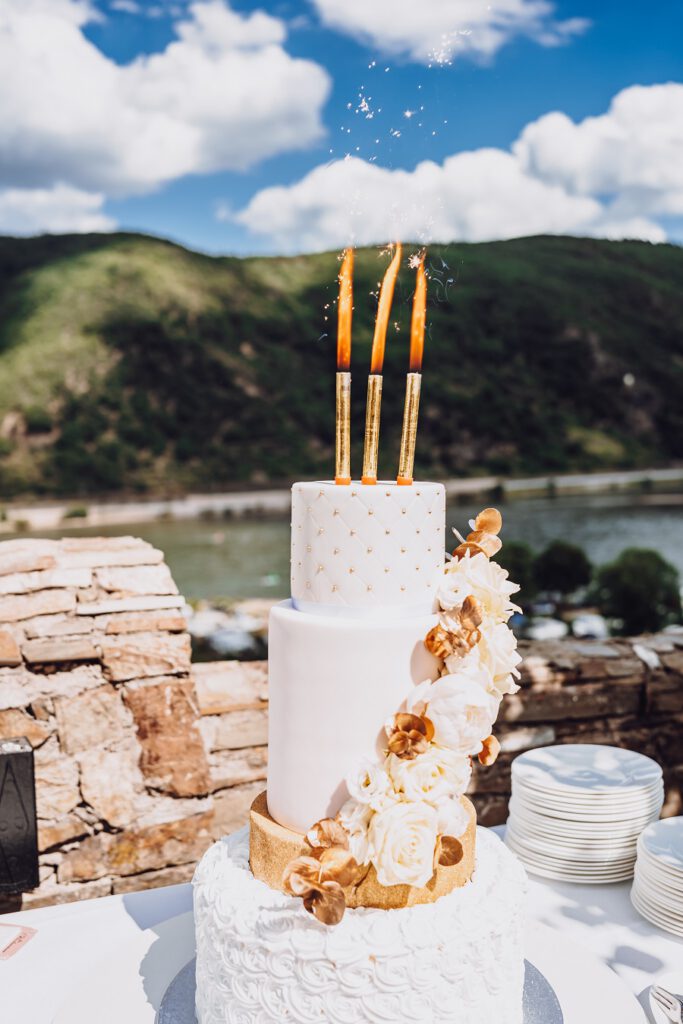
column 143, row 759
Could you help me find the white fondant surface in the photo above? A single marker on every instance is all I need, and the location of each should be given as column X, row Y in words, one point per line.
column 368, row 548
column 261, row 958
column 333, row 683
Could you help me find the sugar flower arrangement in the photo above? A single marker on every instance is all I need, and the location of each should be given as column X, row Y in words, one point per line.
column 405, row 813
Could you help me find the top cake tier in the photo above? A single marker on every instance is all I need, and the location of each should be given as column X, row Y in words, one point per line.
column 357, row 548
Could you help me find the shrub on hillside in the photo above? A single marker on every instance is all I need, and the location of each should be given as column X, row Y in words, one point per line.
column 563, row 567
column 518, row 558
column 641, row 589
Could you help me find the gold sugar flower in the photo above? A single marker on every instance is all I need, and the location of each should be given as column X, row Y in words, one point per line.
column 319, row 879
column 409, row 735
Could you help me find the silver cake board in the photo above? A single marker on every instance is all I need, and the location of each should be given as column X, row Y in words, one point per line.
column 541, row 1005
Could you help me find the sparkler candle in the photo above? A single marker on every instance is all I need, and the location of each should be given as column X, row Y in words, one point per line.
column 379, row 340
column 342, row 472
column 414, row 378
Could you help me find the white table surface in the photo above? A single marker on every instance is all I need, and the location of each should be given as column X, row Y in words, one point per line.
column 37, row 980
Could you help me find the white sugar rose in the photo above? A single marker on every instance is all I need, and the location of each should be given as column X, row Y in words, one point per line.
column 461, row 710
column 432, row 777
column 498, row 654
column 479, row 577
column 355, row 818
column 372, row 786
column 452, row 818
column 402, row 844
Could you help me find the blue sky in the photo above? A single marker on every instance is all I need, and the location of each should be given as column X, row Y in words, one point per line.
column 341, row 108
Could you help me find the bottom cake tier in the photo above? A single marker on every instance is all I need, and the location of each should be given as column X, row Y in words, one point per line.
column 261, row 958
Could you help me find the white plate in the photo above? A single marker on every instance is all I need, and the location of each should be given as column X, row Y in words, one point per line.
column 644, row 813
column 589, row 796
column 652, row 876
column 614, row 806
column 650, row 914
column 587, row 767
column 663, row 841
column 114, row 992
column 572, row 854
column 585, row 843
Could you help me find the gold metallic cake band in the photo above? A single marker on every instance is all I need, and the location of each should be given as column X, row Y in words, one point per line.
column 372, row 415
column 409, row 433
column 342, row 473
column 272, row 847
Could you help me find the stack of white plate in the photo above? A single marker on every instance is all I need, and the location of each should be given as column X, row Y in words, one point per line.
column 577, row 810
column 657, row 891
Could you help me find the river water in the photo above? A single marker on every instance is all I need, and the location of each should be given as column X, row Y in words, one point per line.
column 240, row 558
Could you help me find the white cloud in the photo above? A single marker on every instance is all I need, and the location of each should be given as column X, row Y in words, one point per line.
column 439, row 31
column 609, row 176
column 633, row 153
column 223, row 95
column 57, row 209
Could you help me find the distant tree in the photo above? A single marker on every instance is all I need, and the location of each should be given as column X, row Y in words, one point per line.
column 518, row 558
column 563, row 567
column 641, row 588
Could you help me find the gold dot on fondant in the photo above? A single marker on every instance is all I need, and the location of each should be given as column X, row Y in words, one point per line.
column 419, row 493
column 352, row 533
column 309, row 509
column 429, row 511
column 320, row 531
column 351, row 569
column 403, row 511
column 354, row 493
column 429, row 549
column 418, row 530
column 371, row 511
column 387, row 570
column 369, row 587
column 334, row 588
column 403, row 551
column 321, row 568
column 387, row 532
column 308, row 547
column 388, row 494
column 299, row 564
column 369, row 551
column 321, row 494
column 335, row 551
column 308, row 585
column 403, row 588
column 336, row 512
column 417, row 568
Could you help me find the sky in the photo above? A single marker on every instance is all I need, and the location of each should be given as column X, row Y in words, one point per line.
column 233, row 126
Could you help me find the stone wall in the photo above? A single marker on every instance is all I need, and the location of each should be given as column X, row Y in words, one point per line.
column 142, row 759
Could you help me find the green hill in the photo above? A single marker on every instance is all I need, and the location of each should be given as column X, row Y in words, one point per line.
column 130, row 364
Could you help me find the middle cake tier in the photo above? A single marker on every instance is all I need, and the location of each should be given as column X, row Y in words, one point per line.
column 333, row 683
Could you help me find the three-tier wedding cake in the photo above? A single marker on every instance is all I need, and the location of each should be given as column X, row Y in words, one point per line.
column 362, row 890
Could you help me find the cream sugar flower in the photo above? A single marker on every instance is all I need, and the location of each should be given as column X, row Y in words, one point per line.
column 372, row 786
column 432, row 777
column 355, row 817
column 402, row 842
column 460, row 708
column 494, row 657
column 452, row 818
column 477, row 576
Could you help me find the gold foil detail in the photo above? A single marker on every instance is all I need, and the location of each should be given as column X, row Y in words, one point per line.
column 409, row 432
column 409, row 735
column 342, row 473
column 372, row 417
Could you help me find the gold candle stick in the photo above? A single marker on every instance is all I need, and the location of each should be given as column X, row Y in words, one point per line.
column 371, row 448
column 409, row 432
column 411, row 409
column 342, row 471
column 374, row 404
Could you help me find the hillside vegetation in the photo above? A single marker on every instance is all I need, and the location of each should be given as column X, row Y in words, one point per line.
column 130, row 364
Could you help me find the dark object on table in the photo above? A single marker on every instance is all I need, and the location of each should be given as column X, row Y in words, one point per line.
column 18, row 830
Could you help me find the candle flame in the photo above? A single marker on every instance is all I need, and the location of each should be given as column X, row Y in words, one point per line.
column 417, row 323
column 386, row 296
column 345, row 311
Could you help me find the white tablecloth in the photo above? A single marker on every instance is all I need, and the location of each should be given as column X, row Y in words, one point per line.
column 36, row 981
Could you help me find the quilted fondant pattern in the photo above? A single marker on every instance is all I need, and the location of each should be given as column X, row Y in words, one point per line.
column 364, row 547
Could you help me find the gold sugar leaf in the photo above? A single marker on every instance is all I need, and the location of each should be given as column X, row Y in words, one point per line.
column 467, row 545
column 489, row 751
column 301, row 876
column 327, row 903
column 471, row 613
column 489, row 543
column 450, row 851
column 327, row 833
column 337, row 865
column 489, row 520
